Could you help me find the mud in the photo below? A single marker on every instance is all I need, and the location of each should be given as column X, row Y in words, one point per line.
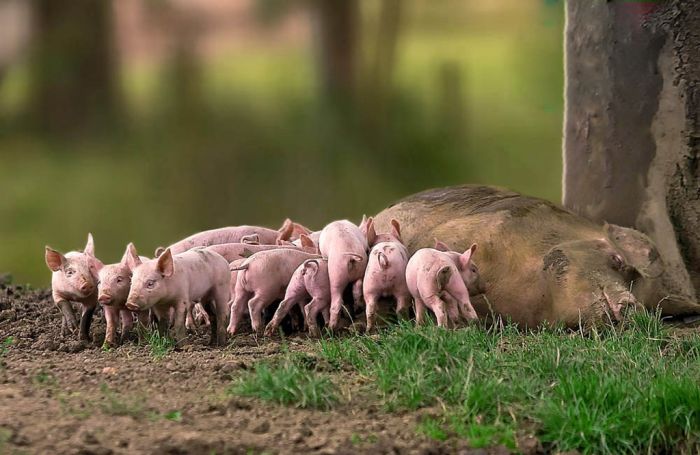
column 64, row 397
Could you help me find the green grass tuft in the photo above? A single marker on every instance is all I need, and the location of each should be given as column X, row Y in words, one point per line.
column 288, row 382
column 159, row 345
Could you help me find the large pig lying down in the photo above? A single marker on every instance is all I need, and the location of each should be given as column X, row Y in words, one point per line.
column 539, row 262
column 176, row 281
column 237, row 234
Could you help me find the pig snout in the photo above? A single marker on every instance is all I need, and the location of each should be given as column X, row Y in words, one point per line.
column 617, row 303
column 132, row 305
column 104, row 299
column 86, row 287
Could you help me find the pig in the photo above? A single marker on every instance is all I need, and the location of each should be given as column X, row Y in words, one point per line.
column 197, row 316
column 309, row 282
column 176, row 281
column 540, row 263
column 74, row 279
column 261, row 280
column 113, row 290
column 234, row 251
column 238, row 234
column 385, row 275
column 345, row 245
column 439, row 280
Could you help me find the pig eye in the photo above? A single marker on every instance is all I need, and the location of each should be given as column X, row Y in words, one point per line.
column 119, row 279
column 474, row 269
column 617, row 262
column 150, row 284
column 70, row 272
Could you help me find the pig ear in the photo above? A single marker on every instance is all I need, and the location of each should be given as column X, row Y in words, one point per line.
column 370, row 233
column 165, row 263
column 131, row 257
column 300, row 229
column 285, row 232
column 252, row 239
column 363, row 223
column 54, row 259
column 441, row 246
column 160, row 250
column 466, row 257
column 306, row 241
column 90, row 246
column 396, row 229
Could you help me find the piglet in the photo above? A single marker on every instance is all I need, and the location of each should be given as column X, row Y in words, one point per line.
column 439, row 280
column 309, row 281
column 237, row 234
column 261, row 280
column 345, row 246
column 176, row 281
column 235, row 251
column 386, row 274
column 112, row 292
column 74, row 279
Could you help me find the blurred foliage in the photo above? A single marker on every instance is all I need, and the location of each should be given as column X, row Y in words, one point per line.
column 245, row 136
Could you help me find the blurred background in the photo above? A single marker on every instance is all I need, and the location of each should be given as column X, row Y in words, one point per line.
column 147, row 120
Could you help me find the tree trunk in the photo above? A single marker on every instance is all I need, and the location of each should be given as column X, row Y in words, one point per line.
column 73, row 71
column 632, row 127
column 336, row 26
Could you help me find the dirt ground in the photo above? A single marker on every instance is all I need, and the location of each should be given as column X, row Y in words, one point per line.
column 60, row 396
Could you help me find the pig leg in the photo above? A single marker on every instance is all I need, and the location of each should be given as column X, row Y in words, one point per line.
column 283, row 310
column 238, row 309
column 357, row 294
column 163, row 317
column 143, row 324
column 437, row 305
column 454, row 317
column 179, row 331
column 85, row 321
column 336, row 304
column 256, row 305
column 189, row 318
column 371, row 311
column 296, row 292
column 460, row 293
column 111, row 318
column 69, row 323
column 403, row 305
column 127, row 324
column 420, row 310
column 217, row 321
column 311, row 314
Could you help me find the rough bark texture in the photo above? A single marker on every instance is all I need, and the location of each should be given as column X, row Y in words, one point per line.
column 73, row 72
column 632, row 128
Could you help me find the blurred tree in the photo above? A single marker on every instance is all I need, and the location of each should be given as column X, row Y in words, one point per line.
column 337, row 42
column 73, row 71
column 632, row 128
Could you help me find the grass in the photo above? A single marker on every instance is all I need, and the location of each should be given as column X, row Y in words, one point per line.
column 5, row 345
column 159, row 345
column 290, row 381
column 627, row 389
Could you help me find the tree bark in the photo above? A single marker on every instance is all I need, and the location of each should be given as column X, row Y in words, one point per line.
column 73, row 69
column 337, row 29
column 632, row 126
